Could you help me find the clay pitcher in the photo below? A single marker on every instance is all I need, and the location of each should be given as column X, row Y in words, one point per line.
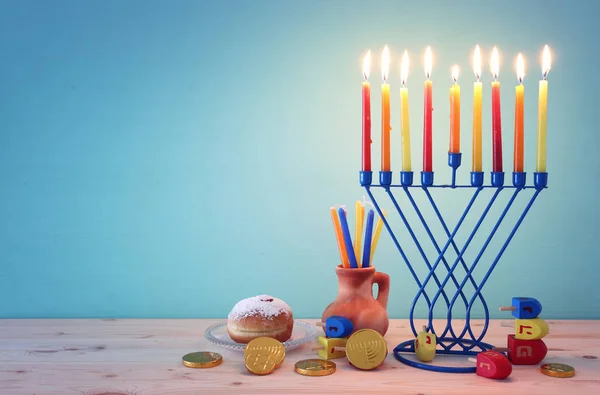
column 355, row 298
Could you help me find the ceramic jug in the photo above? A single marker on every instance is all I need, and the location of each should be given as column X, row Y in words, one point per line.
column 355, row 299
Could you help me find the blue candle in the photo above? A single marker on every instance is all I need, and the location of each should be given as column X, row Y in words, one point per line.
column 368, row 236
column 347, row 238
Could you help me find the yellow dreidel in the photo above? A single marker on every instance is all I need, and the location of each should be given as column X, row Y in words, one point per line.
column 425, row 345
column 531, row 329
column 331, row 347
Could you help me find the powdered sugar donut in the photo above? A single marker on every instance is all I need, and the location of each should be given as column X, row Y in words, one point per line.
column 261, row 315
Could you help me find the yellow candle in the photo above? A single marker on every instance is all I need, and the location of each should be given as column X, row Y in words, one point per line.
column 519, row 149
column 455, row 113
column 542, row 112
column 477, row 89
column 405, row 134
column 376, row 234
column 339, row 237
column 358, row 229
column 385, row 112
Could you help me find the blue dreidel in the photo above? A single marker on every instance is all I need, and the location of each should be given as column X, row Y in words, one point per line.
column 524, row 308
column 337, row 326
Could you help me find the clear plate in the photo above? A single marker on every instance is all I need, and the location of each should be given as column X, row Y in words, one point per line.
column 303, row 333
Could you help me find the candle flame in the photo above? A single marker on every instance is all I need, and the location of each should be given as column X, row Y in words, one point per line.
column 385, row 63
column 546, row 61
column 495, row 63
column 520, row 68
column 455, row 73
column 428, row 62
column 404, row 68
column 477, row 62
column 366, row 69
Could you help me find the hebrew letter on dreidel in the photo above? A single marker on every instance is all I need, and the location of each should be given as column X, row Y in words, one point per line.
column 425, row 345
column 532, row 329
column 493, row 365
column 524, row 351
column 521, row 327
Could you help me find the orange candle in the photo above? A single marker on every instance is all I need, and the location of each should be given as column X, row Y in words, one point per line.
column 519, row 117
column 385, row 111
column 339, row 237
column 455, row 113
column 477, row 99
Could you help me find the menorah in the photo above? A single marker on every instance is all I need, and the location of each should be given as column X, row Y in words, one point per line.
column 451, row 340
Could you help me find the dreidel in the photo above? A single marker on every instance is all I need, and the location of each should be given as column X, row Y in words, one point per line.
column 530, row 329
column 331, row 348
column 524, row 352
column 524, row 308
column 492, row 365
column 337, row 326
column 425, row 345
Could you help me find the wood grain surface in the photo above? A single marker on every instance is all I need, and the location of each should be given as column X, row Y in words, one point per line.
column 143, row 357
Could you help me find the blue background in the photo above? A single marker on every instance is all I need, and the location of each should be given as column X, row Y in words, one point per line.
column 168, row 158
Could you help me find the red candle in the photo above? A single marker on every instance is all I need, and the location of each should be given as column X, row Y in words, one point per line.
column 366, row 115
column 496, row 117
column 427, row 137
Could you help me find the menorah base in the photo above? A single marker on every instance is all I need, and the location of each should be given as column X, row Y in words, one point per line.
column 408, row 347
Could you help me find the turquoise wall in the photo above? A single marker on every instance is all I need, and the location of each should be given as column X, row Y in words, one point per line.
column 168, row 158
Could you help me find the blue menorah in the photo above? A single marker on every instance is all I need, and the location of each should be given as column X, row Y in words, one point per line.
column 452, row 341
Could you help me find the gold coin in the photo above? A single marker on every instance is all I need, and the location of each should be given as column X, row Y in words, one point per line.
column 557, row 370
column 263, row 354
column 315, row 367
column 366, row 349
column 202, row 359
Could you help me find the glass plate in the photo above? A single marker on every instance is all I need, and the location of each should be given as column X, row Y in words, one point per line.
column 303, row 333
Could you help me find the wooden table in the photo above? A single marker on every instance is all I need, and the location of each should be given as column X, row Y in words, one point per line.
column 143, row 356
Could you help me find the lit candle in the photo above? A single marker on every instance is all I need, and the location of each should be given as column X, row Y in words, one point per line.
column 542, row 110
column 385, row 111
column 496, row 118
column 427, row 137
column 366, row 114
column 519, row 117
column 405, row 136
column 477, row 89
column 455, row 113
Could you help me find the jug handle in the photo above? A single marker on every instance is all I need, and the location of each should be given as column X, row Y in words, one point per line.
column 383, row 283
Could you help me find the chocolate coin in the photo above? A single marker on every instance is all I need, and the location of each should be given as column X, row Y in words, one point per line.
column 315, row 367
column 366, row 349
column 202, row 359
column 557, row 370
column 263, row 354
